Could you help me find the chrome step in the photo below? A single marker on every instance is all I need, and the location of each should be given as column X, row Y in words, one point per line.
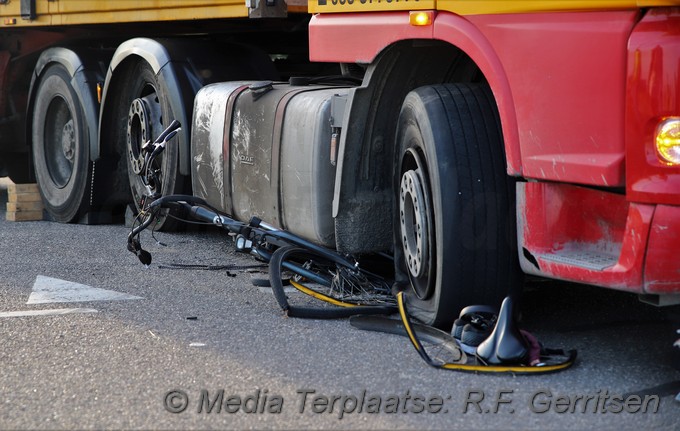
column 589, row 259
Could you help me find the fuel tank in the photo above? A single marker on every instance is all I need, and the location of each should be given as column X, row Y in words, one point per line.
column 264, row 149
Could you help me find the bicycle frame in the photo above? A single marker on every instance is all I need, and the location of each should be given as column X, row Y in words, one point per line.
column 262, row 240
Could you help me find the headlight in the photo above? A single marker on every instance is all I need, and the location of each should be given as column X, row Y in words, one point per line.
column 668, row 140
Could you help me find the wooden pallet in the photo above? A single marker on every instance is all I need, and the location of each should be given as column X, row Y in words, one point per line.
column 24, row 203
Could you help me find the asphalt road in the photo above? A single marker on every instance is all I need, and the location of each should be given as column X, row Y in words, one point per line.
column 195, row 335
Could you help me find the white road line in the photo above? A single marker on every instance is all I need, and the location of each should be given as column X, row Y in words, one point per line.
column 54, row 312
column 48, row 290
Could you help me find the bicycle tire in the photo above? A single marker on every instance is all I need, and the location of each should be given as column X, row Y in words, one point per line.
column 281, row 261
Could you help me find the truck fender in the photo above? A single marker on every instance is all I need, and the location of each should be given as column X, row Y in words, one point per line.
column 471, row 40
column 158, row 55
column 381, row 31
column 85, row 74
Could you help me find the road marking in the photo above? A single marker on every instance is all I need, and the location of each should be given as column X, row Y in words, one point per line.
column 48, row 289
column 55, row 312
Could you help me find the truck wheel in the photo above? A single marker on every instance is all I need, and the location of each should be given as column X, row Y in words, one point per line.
column 60, row 146
column 145, row 105
column 454, row 228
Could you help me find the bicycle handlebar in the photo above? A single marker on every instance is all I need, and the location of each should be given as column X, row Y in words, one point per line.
column 173, row 127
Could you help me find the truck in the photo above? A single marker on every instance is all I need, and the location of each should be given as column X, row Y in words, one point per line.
column 475, row 141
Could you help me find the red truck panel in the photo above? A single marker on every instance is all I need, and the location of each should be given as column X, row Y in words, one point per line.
column 559, row 79
column 662, row 264
column 567, row 76
column 583, row 235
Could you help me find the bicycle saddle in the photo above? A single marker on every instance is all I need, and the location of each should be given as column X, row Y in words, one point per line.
column 505, row 345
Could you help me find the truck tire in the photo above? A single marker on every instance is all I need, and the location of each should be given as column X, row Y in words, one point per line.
column 454, row 228
column 60, row 146
column 144, row 103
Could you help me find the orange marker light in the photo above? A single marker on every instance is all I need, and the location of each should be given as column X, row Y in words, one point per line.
column 421, row 18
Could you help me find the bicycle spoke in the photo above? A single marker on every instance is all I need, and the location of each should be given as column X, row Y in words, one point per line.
column 346, row 290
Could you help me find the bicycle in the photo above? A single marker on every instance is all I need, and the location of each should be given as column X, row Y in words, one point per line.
column 338, row 280
column 324, row 274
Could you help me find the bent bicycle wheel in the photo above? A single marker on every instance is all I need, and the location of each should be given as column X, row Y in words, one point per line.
column 343, row 290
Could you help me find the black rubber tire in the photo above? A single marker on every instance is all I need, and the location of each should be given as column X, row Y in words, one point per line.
column 462, row 245
column 61, row 153
column 139, row 81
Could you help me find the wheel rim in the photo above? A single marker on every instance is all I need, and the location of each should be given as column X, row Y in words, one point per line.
column 415, row 225
column 145, row 106
column 413, row 222
column 144, row 119
column 59, row 142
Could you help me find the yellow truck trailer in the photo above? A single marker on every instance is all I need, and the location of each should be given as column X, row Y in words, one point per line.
column 55, row 56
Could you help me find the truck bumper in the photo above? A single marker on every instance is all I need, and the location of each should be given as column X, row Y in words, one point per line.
column 596, row 237
column 662, row 262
